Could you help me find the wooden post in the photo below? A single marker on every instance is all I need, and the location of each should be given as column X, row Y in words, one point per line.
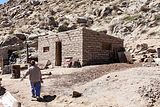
column 27, row 54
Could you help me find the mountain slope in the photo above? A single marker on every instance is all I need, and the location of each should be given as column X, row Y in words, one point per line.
column 136, row 21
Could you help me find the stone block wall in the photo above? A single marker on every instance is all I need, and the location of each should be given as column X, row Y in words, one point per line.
column 71, row 46
column 4, row 54
column 93, row 53
column 82, row 44
column 1, row 62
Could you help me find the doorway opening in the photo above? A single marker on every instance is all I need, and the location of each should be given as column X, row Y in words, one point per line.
column 12, row 57
column 58, row 54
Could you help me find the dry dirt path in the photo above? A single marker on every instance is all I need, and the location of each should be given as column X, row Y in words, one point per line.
column 60, row 84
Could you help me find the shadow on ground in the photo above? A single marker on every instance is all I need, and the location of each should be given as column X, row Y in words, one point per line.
column 2, row 91
column 47, row 98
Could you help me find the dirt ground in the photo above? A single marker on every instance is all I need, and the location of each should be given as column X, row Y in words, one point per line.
column 113, row 85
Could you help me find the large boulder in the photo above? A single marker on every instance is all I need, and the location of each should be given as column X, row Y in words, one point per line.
column 6, row 23
column 33, row 36
column 81, row 20
column 144, row 8
column 11, row 40
column 48, row 23
column 63, row 28
column 142, row 47
column 51, row 21
column 72, row 26
column 21, row 36
column 150, row 50
column 106, row 11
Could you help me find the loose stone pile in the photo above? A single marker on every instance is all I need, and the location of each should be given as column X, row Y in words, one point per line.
column 151, row 92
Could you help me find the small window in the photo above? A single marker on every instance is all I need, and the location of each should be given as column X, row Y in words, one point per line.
column 106, row 46
column 45, row 49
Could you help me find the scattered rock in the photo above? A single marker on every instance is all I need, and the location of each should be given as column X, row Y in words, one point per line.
column 81, row 20
column 142, row 60
column 144, row 8
column 142, row 47
column 63, row 28
column 6, row 23
column 76, row 94
column 151, row 50
column 106, row 11
column 85, row 21
column 35, row 2
column 51, row 21
column 150, row 92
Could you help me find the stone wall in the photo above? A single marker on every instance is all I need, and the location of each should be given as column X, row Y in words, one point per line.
column 1, row 62
column 93, row 53
column 82, row 44
column 4, row 53
column 71, row 46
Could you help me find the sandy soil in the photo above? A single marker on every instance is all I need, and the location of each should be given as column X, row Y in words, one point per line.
column 115, row 85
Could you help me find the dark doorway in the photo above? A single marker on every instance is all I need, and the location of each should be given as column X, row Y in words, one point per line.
column 58, row 54
column 10, row 53
column 115, row 55
column 11, row 56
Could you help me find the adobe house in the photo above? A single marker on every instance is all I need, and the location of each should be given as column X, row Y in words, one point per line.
column 85, row 45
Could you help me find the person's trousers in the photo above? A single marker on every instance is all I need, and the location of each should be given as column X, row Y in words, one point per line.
column 36, row 88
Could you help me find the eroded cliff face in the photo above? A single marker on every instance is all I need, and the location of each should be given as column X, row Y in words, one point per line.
column 135, row 21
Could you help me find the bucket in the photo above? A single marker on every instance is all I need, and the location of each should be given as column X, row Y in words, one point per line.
column 15, row 71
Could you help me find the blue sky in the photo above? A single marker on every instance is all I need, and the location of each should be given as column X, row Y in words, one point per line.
column 2, row 1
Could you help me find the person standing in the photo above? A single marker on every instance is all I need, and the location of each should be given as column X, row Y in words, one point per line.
column 35, row 78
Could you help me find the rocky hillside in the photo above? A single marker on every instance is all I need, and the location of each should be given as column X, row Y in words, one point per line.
column 136, row 21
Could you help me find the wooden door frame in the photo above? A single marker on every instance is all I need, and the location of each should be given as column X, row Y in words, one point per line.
column 58, row 53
